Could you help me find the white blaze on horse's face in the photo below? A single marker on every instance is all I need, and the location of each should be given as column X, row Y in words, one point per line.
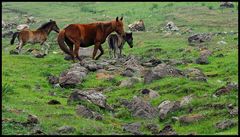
column 119, row 27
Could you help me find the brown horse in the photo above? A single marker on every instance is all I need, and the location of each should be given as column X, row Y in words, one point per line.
column 85, row 35
column 38, row 36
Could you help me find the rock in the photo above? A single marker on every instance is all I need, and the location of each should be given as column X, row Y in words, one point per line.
column 66, row 129
column 205, row 53
column 202, row 60
column 226, row 89
column 68, row 57
column 221, row 42
column 222, row 125
column 219, row 55
column 30, row 19
column 53, row 79
column 185, row 100
column 199, row 38
column 161, row 71
column 96, row 98
column 9, row 26
column 37, row 131
column 73, row 76
column 226, row 5
column 167, row 106
column 32, row 119
column 53, row 102
column 132, row 128
column 233, row 111
column 22, row 27
column 103, row 76
column 39, row 55
column 170, row 26
column 84, row 112
column 167, row 130
column 151, row 93
column 137, row 26
column 7, row 34
column 152, row 63
column 195, row 74
column 133, row 64
column 190, row 118
column 92, row 67
column 140, row 108
column 3, row 24
column 13, row 52
column 127, row 73
column 130, row 82
column 153, row 128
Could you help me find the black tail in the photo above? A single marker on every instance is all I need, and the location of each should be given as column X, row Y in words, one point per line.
column 14, row 37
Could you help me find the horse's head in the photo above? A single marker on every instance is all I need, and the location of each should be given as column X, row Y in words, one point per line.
column 119, row 27
column 54, row 26
column 128, row 37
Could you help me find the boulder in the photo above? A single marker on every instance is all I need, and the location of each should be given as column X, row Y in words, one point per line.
column 167, row 130
column 127, row 73
column 32, row 119
column 53, row 79
column 66, row 129
column 190, row 118
column 195, row 74
column 226, row 5
column 226, row 89
column 170, row 26
column 91, row 95
column 133, row 128
column 167, row 106
column 130, row 82
column 22, row 27
column 137, row 26
column 151, row 93
column 202, row 60
column 225, row 124
column 199, row 38
column 161, row 71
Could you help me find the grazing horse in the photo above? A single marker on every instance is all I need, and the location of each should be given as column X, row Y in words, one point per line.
column 116, row 42
column 38, row 36
column 85, row 35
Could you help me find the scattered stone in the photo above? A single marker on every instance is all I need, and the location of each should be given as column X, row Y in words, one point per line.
column 202, row 60
column 167, row 130
column 222, row 125
column 152, row 63
column 205, row 53
column 53, row 102
column 91, row 95
column 66, row 129
column 127, row 73
column 233, row 111
column 22, row 27
column 153, row 128
column 170, row 26
column 140, row 108
column 185, row 100
column 226, row 5
column 133, row 64
column 53, row 79
column 32, row 119
column 221, row 42
column 30, row 19
column 84, row 112
column 103, row 76
column 13, row 52
column 199, row 38
column 130, row 82
column 137, row 26
column 132, row 128
column 167, row 106
column 195, row 74
column 151, row 93
column 190, row 118
column 92, row 67
column 161, row 71
column 226, row 89
column 37, row 131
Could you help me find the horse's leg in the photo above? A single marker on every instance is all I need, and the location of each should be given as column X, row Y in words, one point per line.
column 120, row 51
column 19, row 47
column 47, row 47
column 96, row 47
column 110, row 53
column 76, row 50
column 102, row 52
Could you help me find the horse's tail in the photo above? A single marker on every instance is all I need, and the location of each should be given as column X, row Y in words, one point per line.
column 62, row 45
column 14, row 37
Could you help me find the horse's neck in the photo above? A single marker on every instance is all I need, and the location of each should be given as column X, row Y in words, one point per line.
column 107, row 29
column 47, row 30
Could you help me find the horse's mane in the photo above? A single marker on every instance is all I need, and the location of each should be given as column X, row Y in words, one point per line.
column 44, row 25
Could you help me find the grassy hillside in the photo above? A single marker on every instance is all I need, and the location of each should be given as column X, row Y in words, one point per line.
column 24, row 77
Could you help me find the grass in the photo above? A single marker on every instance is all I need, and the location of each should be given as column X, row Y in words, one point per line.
column 22, row 75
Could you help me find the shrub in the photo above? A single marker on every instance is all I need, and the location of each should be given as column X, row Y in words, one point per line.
column 210, row 7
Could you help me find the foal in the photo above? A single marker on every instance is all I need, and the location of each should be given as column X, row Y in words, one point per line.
column 38, row 36
column 116, row 42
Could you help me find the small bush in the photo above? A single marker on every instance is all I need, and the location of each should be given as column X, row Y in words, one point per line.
column 210, row 7
column 203, row 4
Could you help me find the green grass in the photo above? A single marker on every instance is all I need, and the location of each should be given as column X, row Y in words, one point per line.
column 23, row 74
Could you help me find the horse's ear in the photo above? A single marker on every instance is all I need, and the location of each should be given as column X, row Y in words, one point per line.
column 121, row 18
column 117, row 19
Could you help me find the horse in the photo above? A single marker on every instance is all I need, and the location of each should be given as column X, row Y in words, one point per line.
column 116, row 42
column 85, row 35
column 37, row 36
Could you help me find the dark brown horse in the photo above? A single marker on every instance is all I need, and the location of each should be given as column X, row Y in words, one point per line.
column 38, row 36
column 85, row 35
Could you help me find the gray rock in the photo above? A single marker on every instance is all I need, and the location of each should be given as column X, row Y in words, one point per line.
column 53, row 79
column 84, row 112
column 132, row 128
column 167, row 106
column 161, row 71
column 153, row 128
column 225, row 124
column 190, row 118
column 32, row 119
column 151, row 93
column 226, row 5
column 195, row 74
column 202, row 60
column 66, row 129
column 130, row 82
column 167, row 130
column 127, row 73
column 185, row 100
column 199, row 38
column 137, row 26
